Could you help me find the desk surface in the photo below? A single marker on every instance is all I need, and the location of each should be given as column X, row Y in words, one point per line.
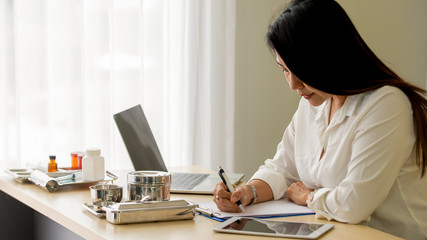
column 65, row 207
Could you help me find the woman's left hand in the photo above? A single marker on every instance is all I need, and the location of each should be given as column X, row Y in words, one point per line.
column 298, row 193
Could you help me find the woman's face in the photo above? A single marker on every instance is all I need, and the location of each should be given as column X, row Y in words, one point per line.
column 314, row 96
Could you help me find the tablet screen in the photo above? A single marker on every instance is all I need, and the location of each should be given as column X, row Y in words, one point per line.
column 273, row 227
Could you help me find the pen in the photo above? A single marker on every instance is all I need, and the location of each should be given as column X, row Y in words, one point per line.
column 205, row 211
column 227, row 182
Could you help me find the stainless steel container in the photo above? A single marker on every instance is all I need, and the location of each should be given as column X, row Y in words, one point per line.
column 136, row 212
column 105, row 194
column 149, row 185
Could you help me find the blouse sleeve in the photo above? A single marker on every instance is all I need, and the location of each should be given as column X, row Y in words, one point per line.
column 383, row 141
column 280, row 171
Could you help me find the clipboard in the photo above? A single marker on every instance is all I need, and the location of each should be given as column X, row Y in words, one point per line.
column 269, row 209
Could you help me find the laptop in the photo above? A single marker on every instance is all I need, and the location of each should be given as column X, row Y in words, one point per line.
column 145, row 154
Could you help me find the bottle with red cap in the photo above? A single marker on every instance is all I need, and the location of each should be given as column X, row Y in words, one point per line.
column 80, row 156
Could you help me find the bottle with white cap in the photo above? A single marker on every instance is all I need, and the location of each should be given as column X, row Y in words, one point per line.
column 93, row 166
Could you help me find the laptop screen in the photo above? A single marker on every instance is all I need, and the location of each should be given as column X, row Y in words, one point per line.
column 139, row 140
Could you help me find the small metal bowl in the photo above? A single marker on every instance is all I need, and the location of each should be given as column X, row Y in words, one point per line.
column 105, row 194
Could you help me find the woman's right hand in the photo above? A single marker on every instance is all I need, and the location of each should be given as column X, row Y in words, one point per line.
column 226, row 201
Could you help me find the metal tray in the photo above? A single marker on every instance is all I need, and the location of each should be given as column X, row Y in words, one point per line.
column 138, row 212
column 97, row 211
column 21, row 174
column 51, row 181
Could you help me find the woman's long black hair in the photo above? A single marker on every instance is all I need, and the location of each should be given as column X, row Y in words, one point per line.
column 320, row 45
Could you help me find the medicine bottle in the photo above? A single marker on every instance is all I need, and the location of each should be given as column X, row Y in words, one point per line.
column 93, row 166
column 80, row 157
column 52, row 166
column 74, row 161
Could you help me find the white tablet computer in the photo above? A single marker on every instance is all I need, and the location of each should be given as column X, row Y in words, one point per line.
column 273, row 228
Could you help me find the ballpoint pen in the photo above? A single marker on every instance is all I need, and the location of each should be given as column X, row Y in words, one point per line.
column 230, row 187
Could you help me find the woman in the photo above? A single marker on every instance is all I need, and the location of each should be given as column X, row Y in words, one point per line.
column 355, row 150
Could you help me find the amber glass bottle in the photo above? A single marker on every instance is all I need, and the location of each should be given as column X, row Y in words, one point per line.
column 52, row 166
column 74, row 161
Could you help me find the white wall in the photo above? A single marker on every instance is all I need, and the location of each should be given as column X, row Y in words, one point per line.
column 396, row 30
column 264, row 103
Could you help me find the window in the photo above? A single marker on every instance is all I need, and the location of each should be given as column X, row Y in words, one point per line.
column 67, row 66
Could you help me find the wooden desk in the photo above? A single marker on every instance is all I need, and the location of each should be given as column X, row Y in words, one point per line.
column 65, row 208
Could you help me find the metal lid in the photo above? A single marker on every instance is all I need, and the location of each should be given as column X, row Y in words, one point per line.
column 149, row 177
column 105, row 187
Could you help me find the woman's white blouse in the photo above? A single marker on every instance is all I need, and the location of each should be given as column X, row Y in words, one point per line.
column 368, row 170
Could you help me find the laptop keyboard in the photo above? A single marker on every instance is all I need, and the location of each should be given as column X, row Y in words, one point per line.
column 186, row 181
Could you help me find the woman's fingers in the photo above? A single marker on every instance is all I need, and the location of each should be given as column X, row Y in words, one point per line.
column 224, row 204
column 220, row 190
column 298, row 193
column 222, row 198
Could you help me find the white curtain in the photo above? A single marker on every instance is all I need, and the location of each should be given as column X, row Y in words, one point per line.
column 66, row 66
